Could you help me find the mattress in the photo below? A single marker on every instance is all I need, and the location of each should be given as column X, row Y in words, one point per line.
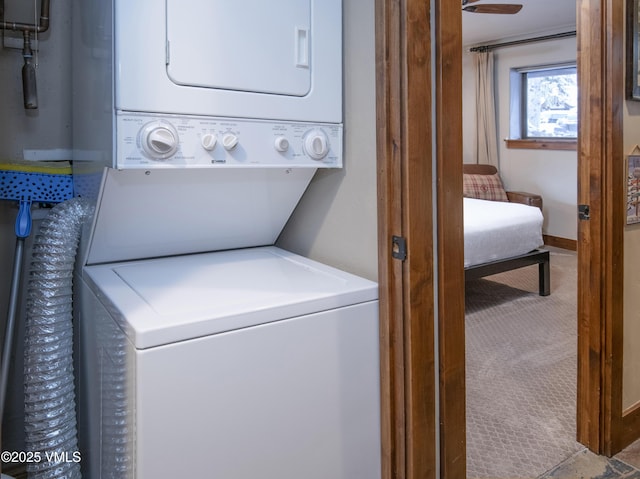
column 495, row 230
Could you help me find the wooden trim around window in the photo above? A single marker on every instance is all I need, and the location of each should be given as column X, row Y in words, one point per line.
column 540, row 144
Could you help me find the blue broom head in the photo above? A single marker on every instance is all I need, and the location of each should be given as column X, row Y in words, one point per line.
column 29, row 183
column 47, row 182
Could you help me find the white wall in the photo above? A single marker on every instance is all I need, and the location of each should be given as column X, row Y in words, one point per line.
column 469, row 136
column 631, row 351
column 336, row 220
column 552, row 174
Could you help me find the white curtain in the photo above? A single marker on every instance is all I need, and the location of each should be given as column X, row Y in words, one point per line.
column 486, row 143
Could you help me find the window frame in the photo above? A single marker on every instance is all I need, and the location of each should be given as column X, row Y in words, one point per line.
column 518, row 112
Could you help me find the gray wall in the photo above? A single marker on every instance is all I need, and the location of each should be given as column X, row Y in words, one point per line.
column 335, row 222
column 48, row 128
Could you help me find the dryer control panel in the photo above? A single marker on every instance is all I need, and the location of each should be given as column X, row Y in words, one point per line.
column 174, row 141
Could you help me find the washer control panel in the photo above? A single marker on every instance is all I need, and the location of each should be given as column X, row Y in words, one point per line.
column 174, row 141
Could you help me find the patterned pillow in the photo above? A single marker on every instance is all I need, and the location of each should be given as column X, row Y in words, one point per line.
column 484, row 187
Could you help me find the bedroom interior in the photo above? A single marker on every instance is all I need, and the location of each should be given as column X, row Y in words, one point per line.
column 500, row 321
column 520, row 346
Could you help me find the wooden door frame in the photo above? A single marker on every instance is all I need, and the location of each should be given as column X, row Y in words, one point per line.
column 412, row 56
column 421, row 296
column 403, row 71
column 602, row 424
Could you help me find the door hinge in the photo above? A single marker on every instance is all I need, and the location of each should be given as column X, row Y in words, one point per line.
column 399, row 248
column 583, row 212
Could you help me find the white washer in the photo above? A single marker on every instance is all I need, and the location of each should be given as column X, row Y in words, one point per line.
column 242, row 364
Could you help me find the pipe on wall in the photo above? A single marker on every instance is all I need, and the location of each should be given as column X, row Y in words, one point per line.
column 42, row 26
column 29, row 86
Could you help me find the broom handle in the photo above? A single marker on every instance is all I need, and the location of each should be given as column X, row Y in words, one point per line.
column 11, row 320
column 23, row 229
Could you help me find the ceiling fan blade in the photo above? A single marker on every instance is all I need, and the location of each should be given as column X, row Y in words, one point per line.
column 499, row 8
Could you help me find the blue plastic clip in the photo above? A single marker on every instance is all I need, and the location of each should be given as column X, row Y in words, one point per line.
column 23, row 220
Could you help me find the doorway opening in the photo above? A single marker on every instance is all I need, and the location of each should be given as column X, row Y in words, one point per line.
column 520, row 354
column 418, row 71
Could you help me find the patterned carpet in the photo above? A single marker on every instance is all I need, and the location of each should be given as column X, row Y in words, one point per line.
column 521, row 371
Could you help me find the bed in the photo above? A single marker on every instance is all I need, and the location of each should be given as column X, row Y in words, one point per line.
column 502, row 230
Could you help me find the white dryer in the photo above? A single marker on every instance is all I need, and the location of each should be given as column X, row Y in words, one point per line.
column 206, row 84
column 242, row 364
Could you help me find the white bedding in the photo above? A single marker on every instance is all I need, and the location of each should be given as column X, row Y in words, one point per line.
column 496, row 230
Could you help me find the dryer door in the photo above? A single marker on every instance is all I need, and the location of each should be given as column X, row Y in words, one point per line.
column 248, row 45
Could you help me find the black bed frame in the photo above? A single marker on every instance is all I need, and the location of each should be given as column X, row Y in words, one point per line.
column 538, row 256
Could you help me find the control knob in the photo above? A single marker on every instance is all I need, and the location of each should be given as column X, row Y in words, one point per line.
column 281, row 144
column 229, row 141
column 159, row 140
column 316, row 144
column 208, row 141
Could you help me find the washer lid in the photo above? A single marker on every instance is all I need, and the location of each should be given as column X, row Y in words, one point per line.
column 172, row 299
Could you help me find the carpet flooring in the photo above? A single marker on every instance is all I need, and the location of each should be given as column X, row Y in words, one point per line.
column 521, row 371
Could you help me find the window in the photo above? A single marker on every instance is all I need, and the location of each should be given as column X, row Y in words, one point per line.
column 544, row 103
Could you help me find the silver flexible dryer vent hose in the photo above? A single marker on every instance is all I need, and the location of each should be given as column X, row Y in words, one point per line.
column 50, row 416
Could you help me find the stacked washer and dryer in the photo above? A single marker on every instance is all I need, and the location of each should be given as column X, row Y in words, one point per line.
column 204, row 350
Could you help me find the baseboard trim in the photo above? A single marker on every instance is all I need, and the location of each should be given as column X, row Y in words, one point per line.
column 629, row 428
column 558, row 242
